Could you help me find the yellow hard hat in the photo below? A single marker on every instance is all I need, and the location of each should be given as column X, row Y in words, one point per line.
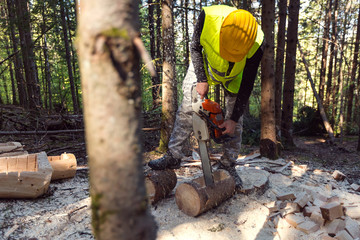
column 237, row 35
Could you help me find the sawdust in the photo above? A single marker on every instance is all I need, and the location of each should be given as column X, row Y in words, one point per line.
column 64, row 212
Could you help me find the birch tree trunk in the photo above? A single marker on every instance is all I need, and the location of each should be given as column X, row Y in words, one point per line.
column 289, row 75
column 169, row 84
column 268, row 143
column 109, row 65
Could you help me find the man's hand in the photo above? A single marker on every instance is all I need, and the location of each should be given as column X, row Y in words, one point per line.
column 230, row 127
column 202, row 88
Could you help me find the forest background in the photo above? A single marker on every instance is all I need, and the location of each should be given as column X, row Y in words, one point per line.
column 39, row 68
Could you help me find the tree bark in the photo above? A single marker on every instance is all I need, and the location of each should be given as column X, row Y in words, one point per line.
column 68, row 58
column 110, row 67
column 289, row 76
column 169, row 83
column 268, row 143
column 280, row 50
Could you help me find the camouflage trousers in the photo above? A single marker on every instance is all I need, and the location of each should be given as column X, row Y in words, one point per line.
column 183, row 123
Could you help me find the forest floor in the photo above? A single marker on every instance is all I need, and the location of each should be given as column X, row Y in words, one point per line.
column 64, row 211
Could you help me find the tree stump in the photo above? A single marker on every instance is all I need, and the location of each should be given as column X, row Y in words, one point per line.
column 254, row 180
column 194, row 198
column 159, row 184
column 64, row 166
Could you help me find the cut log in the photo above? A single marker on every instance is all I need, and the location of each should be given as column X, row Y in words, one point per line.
column 11, row 149
column 194, row 198
column 159, row 184
column 64, row 166
column 25, row 176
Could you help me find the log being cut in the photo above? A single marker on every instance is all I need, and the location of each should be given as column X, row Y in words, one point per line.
column 64, row 166
column 24, row 176
column 194, row 197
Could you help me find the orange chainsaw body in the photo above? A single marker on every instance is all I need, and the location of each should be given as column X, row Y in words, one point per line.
column 215, row 114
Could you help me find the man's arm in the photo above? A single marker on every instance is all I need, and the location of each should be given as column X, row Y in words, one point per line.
column 196, row 49
column 247, row 83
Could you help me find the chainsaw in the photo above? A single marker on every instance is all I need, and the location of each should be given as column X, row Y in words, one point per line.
column 207, row 117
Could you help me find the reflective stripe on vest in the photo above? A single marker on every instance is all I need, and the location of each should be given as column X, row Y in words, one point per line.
column 218, row 70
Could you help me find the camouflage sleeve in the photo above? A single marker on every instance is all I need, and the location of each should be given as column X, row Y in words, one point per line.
column 247, row 83
column 196, row 49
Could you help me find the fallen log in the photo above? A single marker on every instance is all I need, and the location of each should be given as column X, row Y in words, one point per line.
column 64, row 166
column 159, row 184
column 25, row 176
column 12, row 149
column 194, row 198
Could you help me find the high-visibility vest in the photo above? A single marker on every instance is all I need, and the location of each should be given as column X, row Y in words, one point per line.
column 217, row 69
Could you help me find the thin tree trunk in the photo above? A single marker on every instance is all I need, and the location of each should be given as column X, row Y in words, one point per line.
column 13, row 86
column 187, row 49
column 341, row 78
column 158, row 51
column 289, row 76
column 27, row 49
column 325, row 49
column 169, row 84
column 48, row 98
column 17, row 61
column 68, row 57
column 350, row 94
column 73, row 56
column 112, row 105
column 280, row 50
column 319, row 101
column 155, row 90
column 6, row 93
column 330, row 86
column 268, row 142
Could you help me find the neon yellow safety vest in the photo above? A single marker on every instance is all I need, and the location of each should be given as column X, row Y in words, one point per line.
column 218, row 69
